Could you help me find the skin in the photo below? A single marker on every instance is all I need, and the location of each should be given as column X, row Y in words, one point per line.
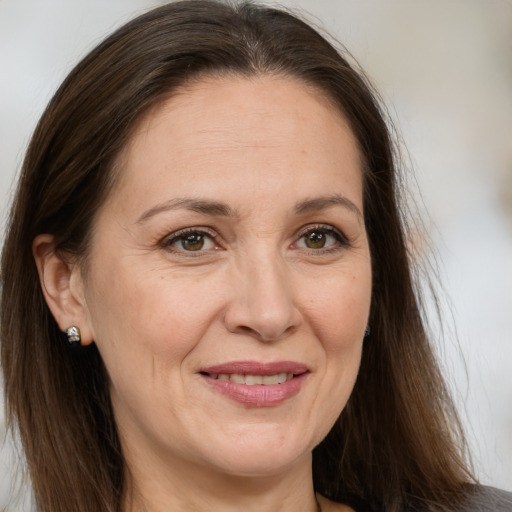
column 258, row 289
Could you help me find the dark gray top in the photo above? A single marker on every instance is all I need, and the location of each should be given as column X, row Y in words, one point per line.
column 488, row 499
column 479, row 498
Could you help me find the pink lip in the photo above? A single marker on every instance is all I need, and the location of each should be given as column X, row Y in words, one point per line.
column 257, row 368
column 257, row 395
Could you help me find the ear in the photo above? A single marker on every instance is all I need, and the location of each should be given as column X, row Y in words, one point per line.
column 63, row 287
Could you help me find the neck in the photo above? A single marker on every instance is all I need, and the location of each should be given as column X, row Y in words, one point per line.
column 191, row 487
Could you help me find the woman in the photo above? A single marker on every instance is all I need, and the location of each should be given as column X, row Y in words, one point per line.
column 208, row 211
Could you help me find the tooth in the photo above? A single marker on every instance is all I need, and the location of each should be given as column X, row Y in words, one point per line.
column 281, row 377
column 252, row 380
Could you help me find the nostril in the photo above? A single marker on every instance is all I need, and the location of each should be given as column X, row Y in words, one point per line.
column 262, row 312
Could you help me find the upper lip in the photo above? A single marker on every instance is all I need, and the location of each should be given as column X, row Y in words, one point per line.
column 256, row 368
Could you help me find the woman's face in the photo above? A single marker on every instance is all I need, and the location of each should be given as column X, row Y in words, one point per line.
column 229, row 279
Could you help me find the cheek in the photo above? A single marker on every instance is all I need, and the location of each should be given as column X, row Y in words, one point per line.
column 339, row 316
column 338, row 312
column 143, row 310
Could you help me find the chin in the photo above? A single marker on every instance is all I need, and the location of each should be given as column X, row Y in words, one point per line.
column 260, row 465
column 263, row 453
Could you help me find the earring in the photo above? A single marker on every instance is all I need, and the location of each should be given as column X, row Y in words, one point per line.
column 74, row 337
column 367, row 331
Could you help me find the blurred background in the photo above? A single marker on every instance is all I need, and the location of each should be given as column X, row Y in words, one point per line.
column 444, row 70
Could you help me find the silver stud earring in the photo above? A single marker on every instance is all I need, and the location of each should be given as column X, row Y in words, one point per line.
column 367, row 331
column 74, row 336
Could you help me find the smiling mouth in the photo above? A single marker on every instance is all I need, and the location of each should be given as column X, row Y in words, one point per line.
column 253, row 380
column 257, row 384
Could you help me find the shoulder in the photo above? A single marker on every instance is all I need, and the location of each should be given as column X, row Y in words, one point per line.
column 478, row 498
column 487, row 499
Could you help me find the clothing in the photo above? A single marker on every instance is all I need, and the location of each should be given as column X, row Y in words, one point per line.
column 487, row 499
column 480, row 498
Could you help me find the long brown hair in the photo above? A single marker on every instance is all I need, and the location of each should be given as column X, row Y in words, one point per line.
column 397, row 443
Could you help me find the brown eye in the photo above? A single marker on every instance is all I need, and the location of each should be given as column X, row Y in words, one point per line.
column 320, row 238
column 315, row 240
column 191, row 241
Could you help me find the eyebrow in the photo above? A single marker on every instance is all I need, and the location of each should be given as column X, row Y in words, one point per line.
column 216, row 208
column 322, row 203
column 197, row 205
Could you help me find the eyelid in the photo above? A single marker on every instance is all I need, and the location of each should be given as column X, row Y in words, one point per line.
column 168, row 240
column 342, row 239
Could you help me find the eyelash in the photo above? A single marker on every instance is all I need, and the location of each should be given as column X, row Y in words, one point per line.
column 340, row 239
column 168, row 242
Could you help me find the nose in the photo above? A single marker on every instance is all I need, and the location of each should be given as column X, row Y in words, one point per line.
column 262, row 304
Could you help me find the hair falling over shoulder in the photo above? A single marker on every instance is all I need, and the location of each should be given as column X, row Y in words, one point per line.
column 397, row 443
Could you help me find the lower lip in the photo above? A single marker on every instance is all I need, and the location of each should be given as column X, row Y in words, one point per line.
column 258, row 395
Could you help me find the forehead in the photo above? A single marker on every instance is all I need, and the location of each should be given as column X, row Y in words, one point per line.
column 267, row 128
